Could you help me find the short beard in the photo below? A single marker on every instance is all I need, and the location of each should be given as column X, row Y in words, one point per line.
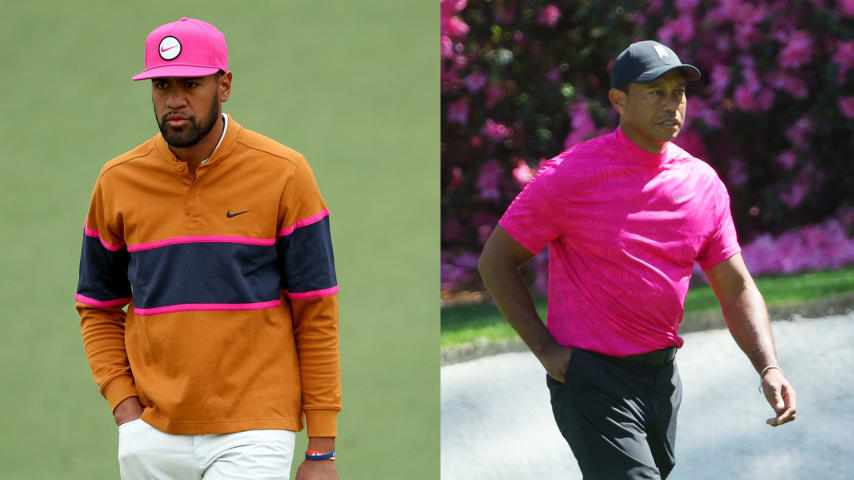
column 195, row 131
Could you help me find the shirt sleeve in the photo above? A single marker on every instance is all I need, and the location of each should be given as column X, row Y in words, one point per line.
column 722, row 242
column 304, row 248
column 103, row 289
column 530, row 218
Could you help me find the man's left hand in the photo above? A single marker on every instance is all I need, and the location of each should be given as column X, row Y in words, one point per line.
column 781, row 397
column 317, row 470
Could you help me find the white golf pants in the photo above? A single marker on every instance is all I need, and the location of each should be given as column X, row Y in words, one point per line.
column 146, row 453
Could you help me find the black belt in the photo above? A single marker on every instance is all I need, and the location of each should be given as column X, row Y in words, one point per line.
column 655, row 358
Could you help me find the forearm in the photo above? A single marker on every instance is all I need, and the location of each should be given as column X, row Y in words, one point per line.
column 747, row 318
column 103, row 332
column 501, row 277
column 321, row 444
column 316, row 336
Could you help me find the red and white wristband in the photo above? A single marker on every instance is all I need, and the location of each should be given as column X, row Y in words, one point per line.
column 314, row 455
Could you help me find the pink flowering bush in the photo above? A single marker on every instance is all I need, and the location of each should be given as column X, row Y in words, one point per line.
column 773, row 113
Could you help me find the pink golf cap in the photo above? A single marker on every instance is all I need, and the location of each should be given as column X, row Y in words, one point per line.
column 186, row 48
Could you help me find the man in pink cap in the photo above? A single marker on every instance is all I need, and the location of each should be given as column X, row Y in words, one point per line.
column 626, row 215
column 217, row 239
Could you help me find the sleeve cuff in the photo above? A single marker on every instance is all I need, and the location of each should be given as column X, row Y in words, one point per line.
column 118, row 389
column 527, row 244
column 322, row 423
column 725, row 255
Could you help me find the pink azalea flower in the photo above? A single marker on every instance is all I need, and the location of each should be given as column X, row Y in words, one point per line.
column 541, row 264
column 468, row 259
column 554, row 75
column 483, row 233
column 682, row 29
column 488, row 180
column 582, row 124
column 797, row 52
column 654, row 6
column 456, row 177
column 637, row 18
column 450, row 7
column 494, row 93
column 746, row 34
column 796, row 192
column 453, row 277
column 701, row 110
column 458, row 112
column 549, row 15
column 451, row 230
column 787, row 159
column 447, row 47
column 764, row 100
column 522, row 173
column 450, row 80
column 847, row 7
column 691, row 141
column 787, row 82
column 799, row 132
column 455, row 28
column 720, row 80
column 484, row 222
column 846, row 105
column 726, row 10
column 736, row 175
column 844, row 58
column 750, row 96
column 478, row 218
column 687, row 6
column 744, row 98
column 474, row 81
column 495, row 131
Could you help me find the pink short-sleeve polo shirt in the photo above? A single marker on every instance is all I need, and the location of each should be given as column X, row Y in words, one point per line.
column 624, row 228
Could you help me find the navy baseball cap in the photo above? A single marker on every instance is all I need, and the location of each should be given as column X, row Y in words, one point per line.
column 645, row 61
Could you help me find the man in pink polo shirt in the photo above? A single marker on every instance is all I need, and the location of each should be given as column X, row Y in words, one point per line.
column 625, row 216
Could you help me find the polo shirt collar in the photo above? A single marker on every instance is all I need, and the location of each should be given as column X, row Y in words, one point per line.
column 230, row 132
column 636, row 153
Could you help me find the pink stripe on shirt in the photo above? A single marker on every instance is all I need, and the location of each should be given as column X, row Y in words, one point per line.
column 266, row 242
column 313, row 294
column 94, row 233
column 102, row 303
column 186, row 307
column 302, row 223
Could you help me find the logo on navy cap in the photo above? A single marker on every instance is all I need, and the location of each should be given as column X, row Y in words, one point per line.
column 169, row 48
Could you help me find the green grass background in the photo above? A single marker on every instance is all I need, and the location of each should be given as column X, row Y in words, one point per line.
column 352, row 85
column 467, row 323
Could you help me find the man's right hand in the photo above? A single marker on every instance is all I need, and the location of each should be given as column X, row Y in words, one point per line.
column 127, row 410
column 556, row 360
column 499, row 267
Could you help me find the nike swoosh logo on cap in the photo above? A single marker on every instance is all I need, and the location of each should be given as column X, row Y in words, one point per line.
column 167, row 49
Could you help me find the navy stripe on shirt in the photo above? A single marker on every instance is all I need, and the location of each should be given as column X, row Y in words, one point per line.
column 307, row 263
column 204, row 273
column 103, row 276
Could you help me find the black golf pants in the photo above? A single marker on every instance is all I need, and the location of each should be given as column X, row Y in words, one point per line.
column 618, row 417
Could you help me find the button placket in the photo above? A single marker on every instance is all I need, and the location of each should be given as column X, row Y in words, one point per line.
column 194, row 208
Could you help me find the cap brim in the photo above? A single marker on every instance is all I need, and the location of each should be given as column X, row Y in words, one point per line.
column 691, row 73
column 163, row 71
